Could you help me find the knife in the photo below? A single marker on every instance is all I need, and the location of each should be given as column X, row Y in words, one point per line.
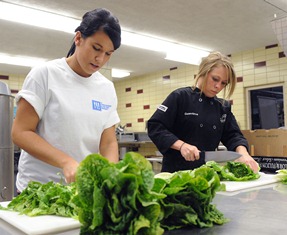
column 219, row 156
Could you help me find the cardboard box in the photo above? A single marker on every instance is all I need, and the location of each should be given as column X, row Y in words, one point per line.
column 272, row 143
column 268, row 148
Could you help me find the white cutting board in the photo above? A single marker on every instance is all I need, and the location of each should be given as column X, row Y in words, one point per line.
column 44, row 224
column 264, row 179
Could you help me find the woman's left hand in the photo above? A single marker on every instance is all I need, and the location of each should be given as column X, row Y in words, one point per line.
column 247, row 159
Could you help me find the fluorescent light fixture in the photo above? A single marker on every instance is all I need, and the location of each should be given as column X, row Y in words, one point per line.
column 185, row 54
column 144, row 42
column 30, row 16
column 118, row 73
column 20, row 60
column 174, row 51
column 44, row 19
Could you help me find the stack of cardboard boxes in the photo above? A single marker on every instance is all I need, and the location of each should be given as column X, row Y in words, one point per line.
column 268, row 148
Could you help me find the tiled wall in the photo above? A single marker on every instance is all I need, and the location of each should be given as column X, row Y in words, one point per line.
column 139, row 97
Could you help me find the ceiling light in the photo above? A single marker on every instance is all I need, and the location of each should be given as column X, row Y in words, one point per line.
column 174, row 51
column 117, row 73
column 186, row 54
column 20, row 60
column 39, row 18
column 30, row 16
column 144, row 42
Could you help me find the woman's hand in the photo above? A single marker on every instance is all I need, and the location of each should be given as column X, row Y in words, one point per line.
column 189, row 152
column 69, row 170
column 247, row 159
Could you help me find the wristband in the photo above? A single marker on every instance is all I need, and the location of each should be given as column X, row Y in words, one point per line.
column 181, row 146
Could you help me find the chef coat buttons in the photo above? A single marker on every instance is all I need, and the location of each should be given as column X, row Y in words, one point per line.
column 200, row 100
column 201, row 125
column 211, row 102
column 214, row 127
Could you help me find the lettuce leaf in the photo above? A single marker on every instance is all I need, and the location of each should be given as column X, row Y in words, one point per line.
column 188, row 198
column 117, row 198
column 46, row 199
column 282, row 175
column 233, row 171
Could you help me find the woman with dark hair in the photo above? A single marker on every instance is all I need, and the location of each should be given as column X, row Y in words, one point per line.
column 193, row 119
column 66, row 108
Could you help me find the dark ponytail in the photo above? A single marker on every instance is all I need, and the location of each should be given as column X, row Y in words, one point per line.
column 96, row 20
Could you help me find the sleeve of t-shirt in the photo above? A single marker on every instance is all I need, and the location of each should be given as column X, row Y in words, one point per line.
column 33, row 90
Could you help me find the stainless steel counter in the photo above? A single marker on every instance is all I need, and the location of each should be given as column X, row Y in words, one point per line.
column 261, row 210
column 258, row 211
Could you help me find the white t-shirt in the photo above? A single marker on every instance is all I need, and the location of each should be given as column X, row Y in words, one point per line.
column 73, row 112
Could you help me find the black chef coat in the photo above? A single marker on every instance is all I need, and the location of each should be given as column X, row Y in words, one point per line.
column 188, row 115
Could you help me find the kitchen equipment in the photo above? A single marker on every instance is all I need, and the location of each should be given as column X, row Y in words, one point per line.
column 6, row 144
column 219, row 156
column 36, row 225
column 126, row 137
column 120, row 128
column 142, row 136
column 155, row 159
column 123, row 151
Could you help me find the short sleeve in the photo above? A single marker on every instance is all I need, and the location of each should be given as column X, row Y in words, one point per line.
column 33, row 90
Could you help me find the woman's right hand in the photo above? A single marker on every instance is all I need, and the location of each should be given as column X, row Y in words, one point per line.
column 69, row 170
column 189, row 152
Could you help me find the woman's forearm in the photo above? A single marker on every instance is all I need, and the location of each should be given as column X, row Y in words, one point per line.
column 36, row 146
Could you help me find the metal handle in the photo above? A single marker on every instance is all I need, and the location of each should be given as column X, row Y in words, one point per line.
column 3, row 192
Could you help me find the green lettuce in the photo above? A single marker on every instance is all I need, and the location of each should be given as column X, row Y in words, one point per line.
column 282, row 175
column 233, row 171
column 126, row 198
column 188, row 198
column 46, row 199
column 117, row 198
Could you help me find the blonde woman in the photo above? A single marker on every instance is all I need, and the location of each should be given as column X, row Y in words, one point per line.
column 193, row 119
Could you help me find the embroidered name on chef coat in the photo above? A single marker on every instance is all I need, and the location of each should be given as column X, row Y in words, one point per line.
column 162, row 108
column 99, row 106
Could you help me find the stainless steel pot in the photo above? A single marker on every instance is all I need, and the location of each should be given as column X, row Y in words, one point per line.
column 6, row 144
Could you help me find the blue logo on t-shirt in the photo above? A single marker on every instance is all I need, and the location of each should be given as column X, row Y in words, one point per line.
column 97, row 105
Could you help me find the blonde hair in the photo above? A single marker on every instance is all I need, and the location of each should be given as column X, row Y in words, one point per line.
column 216, row 59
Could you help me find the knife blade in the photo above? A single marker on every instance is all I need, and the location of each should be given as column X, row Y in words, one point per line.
column 219, row 156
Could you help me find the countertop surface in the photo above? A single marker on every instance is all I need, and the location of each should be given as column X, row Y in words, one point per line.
column 261, row 210
column 258, row 211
